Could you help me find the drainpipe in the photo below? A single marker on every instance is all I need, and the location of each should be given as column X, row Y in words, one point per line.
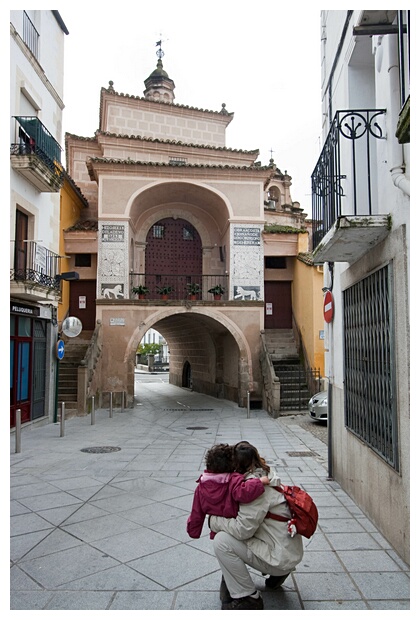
column 396, row 150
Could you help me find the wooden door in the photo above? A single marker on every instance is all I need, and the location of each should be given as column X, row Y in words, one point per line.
column 83, row 302
column 173, row 256
column 278, row 305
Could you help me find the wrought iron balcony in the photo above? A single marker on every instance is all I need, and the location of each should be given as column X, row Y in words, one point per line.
column 36, row 154
column 35, row 267
column 182, row 287
column 345, row 210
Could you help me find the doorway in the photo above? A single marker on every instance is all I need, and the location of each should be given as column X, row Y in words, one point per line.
column 186, row 376
column 278, row 305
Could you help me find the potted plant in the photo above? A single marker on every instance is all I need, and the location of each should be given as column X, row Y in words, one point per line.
column 193, row 290
column 140, row 290
column 217, row 291
column 164, row 291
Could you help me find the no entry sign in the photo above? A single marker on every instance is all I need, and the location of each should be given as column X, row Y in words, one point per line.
column 328, row 307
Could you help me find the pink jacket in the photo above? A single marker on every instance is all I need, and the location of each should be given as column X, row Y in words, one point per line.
column 220, row 494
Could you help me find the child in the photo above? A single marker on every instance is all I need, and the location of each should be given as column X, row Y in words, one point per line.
column 220, row 489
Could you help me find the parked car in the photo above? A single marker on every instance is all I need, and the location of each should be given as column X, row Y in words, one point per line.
column 318, row 407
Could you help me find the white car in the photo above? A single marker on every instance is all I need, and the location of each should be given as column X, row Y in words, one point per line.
column 318, row 407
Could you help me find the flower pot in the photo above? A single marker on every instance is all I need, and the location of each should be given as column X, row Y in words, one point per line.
column 142, row 296
column 217, row 296
column 193, row 297
column 164, row 296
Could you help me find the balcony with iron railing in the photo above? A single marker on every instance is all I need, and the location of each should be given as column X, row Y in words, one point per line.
column 30, row 35
column 35, row 272
column 345, row 210
column 36, row 154
column 193, row 287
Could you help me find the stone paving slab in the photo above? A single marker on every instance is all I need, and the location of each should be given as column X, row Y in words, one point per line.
column 107, row 531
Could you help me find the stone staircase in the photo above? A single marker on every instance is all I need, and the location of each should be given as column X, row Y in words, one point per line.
column 74, row 353
column 284, row 355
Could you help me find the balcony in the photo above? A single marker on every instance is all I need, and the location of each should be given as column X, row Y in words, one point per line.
column 345, row 206
column 182, row 287
column 34, row 275
column 36, row 155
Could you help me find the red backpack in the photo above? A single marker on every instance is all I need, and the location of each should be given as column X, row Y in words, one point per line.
column 302, row 508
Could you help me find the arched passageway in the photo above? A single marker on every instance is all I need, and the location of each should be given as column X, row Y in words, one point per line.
column 210, row 356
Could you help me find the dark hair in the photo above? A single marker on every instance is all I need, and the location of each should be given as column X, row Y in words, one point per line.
column 247, row 458
column 219, row 459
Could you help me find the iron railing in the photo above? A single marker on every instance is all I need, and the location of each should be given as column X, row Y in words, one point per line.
column 297, row 385
column 344, row 179
column 30, row 35
column 180, row 285
column 33, row 138
column 35, row 264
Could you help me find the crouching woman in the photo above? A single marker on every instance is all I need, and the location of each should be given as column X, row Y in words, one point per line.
column 252, row 539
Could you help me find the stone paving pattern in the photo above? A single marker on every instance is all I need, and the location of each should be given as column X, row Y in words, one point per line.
column 107, row 530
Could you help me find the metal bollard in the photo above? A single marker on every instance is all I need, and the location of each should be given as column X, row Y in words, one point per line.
column 18, row 430
column 62, row 419
column 122, row 401
column 110, row 404
column 248, row 414
column 92, row 412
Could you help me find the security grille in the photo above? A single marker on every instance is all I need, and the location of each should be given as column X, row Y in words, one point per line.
column 369, row 362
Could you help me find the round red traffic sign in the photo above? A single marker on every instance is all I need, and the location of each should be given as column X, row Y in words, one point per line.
column 328, row 307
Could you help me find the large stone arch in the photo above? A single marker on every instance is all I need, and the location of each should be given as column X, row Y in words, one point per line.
column 156, row 194
column 214, row 346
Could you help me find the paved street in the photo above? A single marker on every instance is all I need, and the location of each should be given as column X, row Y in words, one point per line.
column 98, row 516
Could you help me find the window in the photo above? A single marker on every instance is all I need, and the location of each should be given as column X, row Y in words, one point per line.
column 369, row 362
column 30, row 34
column 82, row 260
column 187, row 233
column 275, row 262
column 158, row 231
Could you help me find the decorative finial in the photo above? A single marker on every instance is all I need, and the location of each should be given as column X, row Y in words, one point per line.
column 111, row 85
column 271, row 153
column 160, row 53
column 223, row 110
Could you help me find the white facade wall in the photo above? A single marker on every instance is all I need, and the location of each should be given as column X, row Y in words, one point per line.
column 36, row 90
column 366, row 76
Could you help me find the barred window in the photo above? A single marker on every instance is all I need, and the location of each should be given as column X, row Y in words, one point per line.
column 369, row 362
column 158, row 231
column 187, row 233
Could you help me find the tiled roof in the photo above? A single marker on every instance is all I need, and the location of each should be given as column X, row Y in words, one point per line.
column 133, row 162
column 223, row 111
column 83, row 225
column 306, row 257
column 76, row 189
column 162, row 141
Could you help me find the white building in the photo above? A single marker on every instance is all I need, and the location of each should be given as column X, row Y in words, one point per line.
column 361, row 212
column 36, row 105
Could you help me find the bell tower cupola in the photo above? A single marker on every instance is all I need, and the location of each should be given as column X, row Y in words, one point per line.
column 159, row 86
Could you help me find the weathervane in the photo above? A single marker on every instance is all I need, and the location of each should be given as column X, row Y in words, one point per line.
column 160, row 53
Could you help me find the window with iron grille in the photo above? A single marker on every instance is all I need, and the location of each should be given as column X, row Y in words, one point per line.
column 187, row 233
column 369, row 363
column 158, row 231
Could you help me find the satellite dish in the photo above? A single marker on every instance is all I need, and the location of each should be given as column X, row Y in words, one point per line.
column 72, row 326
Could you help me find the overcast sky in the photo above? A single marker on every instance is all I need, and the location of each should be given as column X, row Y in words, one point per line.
column 262, row 59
